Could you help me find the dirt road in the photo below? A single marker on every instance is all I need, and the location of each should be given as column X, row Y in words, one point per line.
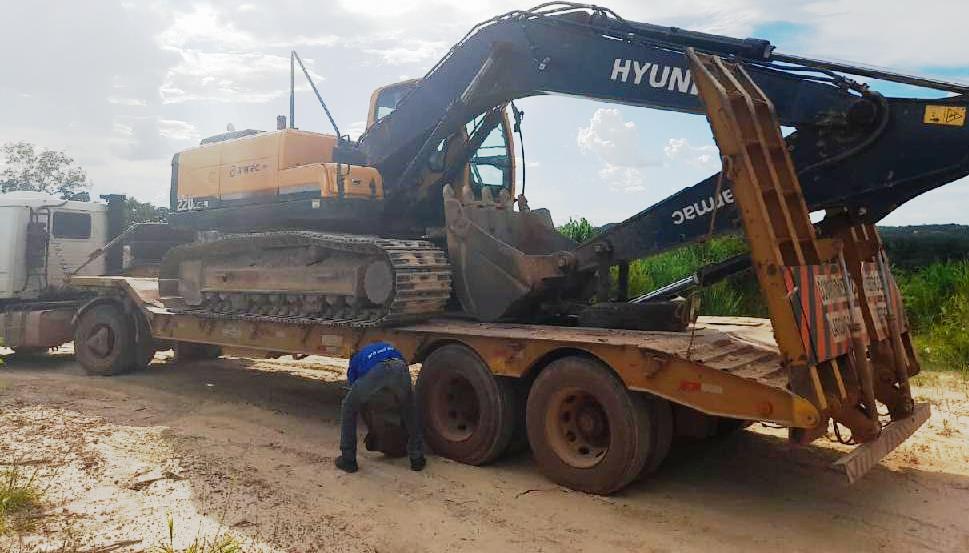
column 246, row 447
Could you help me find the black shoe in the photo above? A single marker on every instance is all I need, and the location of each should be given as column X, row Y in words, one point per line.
column 418, row 464
column 346, row 465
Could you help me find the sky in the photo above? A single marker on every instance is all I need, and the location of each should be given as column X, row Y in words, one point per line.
column 121, row 85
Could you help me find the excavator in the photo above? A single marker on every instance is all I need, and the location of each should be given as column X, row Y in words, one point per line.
column 313, row 243
column 421, row 214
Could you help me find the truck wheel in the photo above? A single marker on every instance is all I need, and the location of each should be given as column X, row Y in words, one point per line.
column 586, row 430
column 661, row 417
column 104, row 341
column 519, row 436
column 144, row 348
column 469, row 414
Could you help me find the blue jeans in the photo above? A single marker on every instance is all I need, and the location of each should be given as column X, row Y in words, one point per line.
column 390, row 376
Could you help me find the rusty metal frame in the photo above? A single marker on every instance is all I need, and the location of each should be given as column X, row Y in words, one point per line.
column 735, row 380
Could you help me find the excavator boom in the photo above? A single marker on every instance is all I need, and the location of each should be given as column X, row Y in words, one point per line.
column 860, row 154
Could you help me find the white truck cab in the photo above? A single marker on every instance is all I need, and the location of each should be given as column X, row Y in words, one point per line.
column 43, row 238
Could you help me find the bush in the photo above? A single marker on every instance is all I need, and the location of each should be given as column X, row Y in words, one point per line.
column 579, row 230
column 936, row 294
column 937, row 305
column 739, row 295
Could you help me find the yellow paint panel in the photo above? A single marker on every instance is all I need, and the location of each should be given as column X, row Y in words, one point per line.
column 358, row 182
column 953, row 116
column 198, row 172
column 303, row 148
column 302, row 178
column 247, row 177
column 254, row 165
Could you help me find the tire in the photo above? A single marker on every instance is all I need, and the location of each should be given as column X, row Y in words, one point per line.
column 661, row 415
column 104, row 341
column 586, row 430
column 469, row 414
column 519, row 436
column 144, row 348
column 188, row 351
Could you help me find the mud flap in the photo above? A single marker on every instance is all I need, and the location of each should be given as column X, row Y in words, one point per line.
column 863, row 458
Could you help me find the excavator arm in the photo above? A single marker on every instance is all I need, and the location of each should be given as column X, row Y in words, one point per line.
column 859, row 154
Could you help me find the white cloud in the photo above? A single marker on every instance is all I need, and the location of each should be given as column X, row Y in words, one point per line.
column 148, row 137
column 203, row 26
column 126, row 101
column 219, row 62
column 617, row 145
column 680, row 149
column 226, row 77
column 177, row 130
column 409, row 51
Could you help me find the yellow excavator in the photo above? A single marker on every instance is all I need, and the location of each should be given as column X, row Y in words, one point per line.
column 422, row 215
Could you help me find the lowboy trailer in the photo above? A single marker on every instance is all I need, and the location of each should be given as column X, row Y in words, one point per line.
column 724, row 372
column 599, row 407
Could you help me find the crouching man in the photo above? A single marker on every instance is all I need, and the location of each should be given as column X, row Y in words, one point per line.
column 379, row 381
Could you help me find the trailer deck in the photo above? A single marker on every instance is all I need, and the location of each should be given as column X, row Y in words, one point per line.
column 716, row 367
column 723, row 366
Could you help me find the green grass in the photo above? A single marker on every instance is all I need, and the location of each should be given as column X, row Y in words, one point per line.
column 736, row 296
column 19, row 498
column 937, row 304
column 739, row 295
column 936, row 294
column 222, row 543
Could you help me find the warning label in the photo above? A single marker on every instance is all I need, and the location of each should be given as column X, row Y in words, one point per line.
column 953, row 116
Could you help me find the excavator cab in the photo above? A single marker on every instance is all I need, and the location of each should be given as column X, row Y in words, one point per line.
column 491, row 165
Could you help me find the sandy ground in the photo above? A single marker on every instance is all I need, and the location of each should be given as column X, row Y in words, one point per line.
column 245, row 448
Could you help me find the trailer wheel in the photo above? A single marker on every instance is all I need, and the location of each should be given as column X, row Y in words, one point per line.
column 469, row 414
column 144, row 347
column 661, row 419
column 586, row 430
column 104, row 341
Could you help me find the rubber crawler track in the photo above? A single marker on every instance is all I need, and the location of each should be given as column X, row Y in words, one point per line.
column 422, row 275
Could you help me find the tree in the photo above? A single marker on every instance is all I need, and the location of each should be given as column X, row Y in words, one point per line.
column 579, row 230
column 144, row 212
column 25, row 167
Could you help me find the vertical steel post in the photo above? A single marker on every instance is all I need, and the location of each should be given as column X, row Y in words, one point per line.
column 292, row 89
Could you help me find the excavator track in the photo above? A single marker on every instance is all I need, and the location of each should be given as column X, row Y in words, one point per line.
column 333, row 279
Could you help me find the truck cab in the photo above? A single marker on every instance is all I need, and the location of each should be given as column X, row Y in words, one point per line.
column 45, row 238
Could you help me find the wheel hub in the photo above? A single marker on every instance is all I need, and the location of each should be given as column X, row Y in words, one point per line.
column 455, row 409
column 578, row 428
column 100, row 341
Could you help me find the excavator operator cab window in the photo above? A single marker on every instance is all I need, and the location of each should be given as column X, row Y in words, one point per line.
column 388, row 98
column 490, row 166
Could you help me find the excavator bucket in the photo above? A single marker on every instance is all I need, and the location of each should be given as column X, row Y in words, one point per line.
column 837, row 316
column 501, row 258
